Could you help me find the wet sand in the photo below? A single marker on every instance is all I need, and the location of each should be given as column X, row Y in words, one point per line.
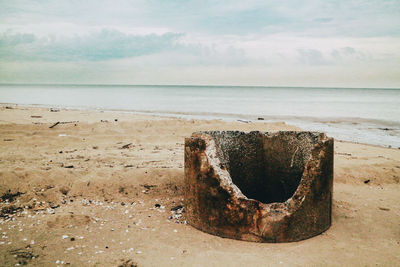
column 97, row 189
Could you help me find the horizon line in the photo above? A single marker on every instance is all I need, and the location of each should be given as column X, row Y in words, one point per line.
column 191, row 85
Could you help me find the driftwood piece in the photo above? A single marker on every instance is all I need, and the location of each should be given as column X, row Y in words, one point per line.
column 62, row 122
column 54, row 125
column 126, row 146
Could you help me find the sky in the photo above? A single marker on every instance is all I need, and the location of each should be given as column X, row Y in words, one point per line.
column 349, row 43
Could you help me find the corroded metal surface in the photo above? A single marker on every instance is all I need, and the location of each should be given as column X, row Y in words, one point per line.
column 263, row 187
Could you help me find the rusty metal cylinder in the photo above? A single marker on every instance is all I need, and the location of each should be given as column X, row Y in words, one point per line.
column 259, row 186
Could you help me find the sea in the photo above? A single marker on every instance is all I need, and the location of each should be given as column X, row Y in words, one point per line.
column 362, row 115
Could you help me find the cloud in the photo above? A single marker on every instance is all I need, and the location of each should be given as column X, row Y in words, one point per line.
column 108, row 44
column 129, row 41
column 311, row 57
column 310, row 17
column 97, row 46
column 346, row 53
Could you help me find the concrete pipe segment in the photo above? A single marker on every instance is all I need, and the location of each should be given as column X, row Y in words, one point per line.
column 259, row 186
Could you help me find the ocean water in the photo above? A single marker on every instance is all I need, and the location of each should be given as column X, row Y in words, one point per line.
column 369, row 116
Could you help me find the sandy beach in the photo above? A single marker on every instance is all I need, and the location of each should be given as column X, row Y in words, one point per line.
column 105, row 188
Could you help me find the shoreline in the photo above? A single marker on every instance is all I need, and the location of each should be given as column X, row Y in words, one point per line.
column 188, row 116
column 210, row 115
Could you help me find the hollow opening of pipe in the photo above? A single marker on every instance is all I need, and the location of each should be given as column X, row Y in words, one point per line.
column 265, row 168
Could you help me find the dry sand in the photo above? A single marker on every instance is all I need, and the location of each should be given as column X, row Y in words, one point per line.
column 84, row 193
